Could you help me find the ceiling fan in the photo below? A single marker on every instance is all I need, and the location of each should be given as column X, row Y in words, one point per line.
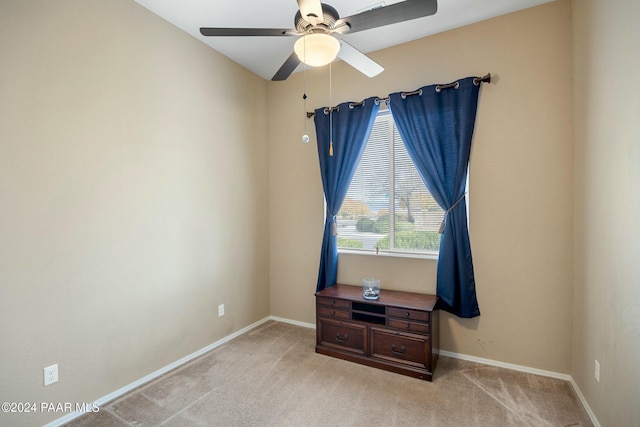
column 316, row 23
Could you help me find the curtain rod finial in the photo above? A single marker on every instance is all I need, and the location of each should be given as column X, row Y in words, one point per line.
column 477, row 80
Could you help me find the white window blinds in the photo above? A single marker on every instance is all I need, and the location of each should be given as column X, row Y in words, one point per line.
column 387, row 207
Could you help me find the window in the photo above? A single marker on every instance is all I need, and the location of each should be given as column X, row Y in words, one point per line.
column 387, row 207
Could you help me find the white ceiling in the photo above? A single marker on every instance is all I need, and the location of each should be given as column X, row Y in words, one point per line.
column 265, row 55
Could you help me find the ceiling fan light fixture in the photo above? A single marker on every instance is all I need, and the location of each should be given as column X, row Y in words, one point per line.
column 317, row 49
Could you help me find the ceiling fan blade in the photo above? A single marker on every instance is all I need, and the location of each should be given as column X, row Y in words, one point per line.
column 287, row 68
column 311, row 11
column 386, row 15
column 248, row 32
column 359, row 60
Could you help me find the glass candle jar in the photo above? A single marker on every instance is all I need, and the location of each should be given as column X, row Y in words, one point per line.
column 371, row 288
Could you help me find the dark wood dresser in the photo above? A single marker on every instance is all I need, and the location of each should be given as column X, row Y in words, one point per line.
column 397, row 332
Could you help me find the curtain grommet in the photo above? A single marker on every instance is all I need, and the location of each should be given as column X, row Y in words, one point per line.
column 455, row 85
column 404, row 95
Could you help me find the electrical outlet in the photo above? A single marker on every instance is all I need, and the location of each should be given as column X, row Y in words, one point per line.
column 51, row 374
column 221, row 310
column 597, row 371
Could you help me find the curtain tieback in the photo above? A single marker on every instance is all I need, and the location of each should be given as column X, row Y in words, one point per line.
column 334, row 226
column 441, row 231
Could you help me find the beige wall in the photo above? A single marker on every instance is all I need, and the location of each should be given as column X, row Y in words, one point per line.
column 607, row 207
column 138, row 193
column 521, row 176
column 133, row 184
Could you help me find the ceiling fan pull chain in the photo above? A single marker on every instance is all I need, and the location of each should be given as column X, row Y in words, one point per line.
column 305, row 136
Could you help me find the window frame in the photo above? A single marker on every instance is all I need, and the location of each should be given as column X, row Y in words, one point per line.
column 391, row 167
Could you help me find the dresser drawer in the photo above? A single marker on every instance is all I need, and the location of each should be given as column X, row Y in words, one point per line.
column 333, row 313
column 421, row 316
column 409, row 326
column 332, row 302
column 343, row 335
column 398, row 347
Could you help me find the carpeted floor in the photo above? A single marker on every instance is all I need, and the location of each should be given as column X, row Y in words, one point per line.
column 271, row 376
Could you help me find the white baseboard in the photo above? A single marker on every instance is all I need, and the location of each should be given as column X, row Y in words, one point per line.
column 585, row 405
column 293, row 322
column 129, row 387
column 527, row 369
column 506, row 365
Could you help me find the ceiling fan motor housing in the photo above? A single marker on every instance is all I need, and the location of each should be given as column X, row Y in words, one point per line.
column 329, row 14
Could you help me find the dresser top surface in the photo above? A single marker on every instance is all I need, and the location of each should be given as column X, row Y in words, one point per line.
column 387, row 297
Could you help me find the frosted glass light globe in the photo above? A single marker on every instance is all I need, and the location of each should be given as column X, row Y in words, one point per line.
column 317, row 49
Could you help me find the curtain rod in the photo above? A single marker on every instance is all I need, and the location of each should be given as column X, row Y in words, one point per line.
column 476, row 81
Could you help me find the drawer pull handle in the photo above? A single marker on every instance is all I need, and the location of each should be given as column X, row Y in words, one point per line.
column 401, row 351
column 407, row 314
column 333, row 313
column 333, row 302
column 338, row 338
column 408, row 325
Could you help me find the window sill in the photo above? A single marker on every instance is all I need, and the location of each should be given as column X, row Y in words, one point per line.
column 388, row 254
